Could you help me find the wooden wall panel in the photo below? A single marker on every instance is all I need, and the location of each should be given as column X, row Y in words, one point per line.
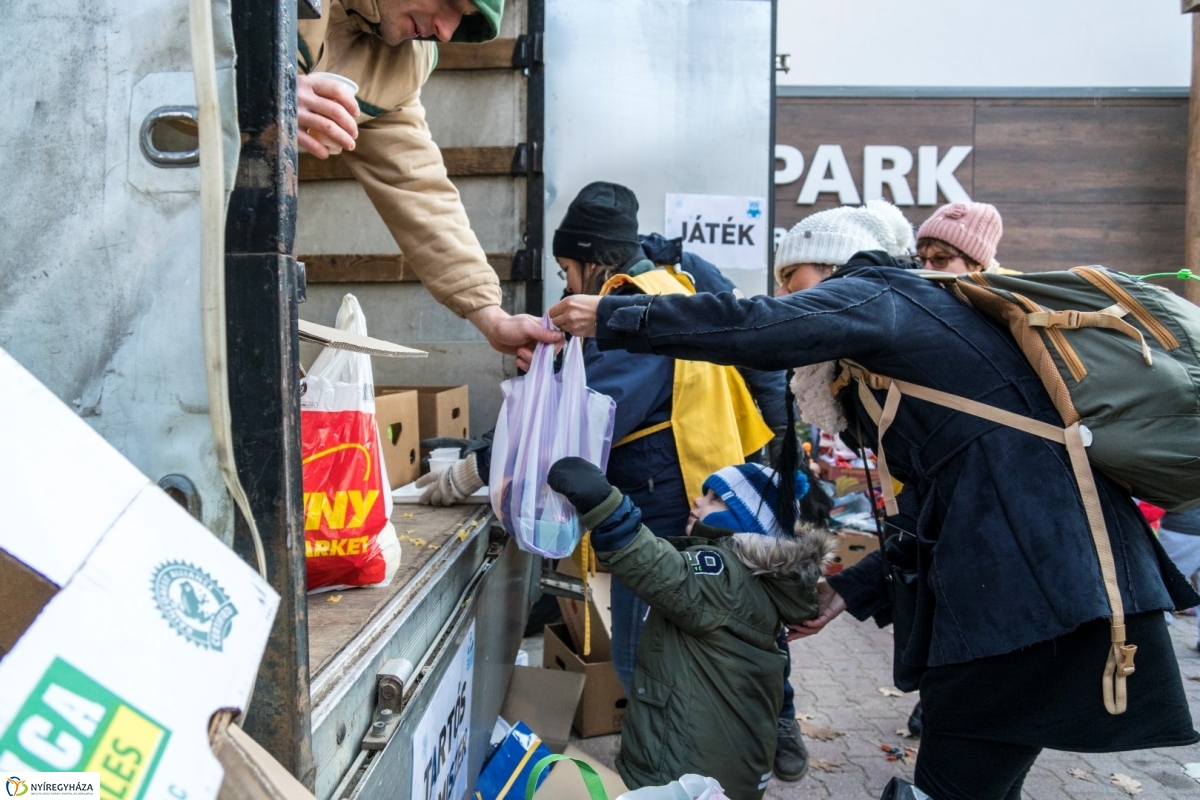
column 379, row 268
column 1026, row 153
column 461, row 162
column 1077, row 181
column 496, row 54
column 1134, row 238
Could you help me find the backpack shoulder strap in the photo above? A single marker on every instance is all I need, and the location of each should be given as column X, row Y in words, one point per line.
column 1121, row 655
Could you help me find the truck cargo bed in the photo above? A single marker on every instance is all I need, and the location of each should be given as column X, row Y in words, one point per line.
column 452, row 561
column 336, row 618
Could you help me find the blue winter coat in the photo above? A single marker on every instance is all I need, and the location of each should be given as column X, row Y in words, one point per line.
column 1006, row 558
column 767, row 388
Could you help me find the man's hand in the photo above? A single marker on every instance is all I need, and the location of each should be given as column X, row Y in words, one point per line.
column 576, row 314
column 328, row 108
column 512, row 335
column 829, row 605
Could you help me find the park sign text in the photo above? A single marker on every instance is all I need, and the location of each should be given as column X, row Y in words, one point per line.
column 882, row 165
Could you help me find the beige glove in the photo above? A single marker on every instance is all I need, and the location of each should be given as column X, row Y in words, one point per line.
column 451, row 485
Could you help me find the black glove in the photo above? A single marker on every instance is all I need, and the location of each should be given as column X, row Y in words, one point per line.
column 579, row 481
column 465, row 446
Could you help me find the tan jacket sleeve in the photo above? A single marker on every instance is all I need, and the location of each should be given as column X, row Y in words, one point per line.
column 401, row 169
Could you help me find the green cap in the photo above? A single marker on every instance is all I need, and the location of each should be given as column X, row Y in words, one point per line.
column 481, row 27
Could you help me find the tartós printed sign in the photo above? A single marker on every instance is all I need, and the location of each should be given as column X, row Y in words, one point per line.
column 443, row 737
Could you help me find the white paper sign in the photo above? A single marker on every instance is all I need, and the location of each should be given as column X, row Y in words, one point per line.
column 442, row 740
column 727, row 230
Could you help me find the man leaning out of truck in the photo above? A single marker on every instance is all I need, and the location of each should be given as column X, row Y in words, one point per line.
column 388, row 48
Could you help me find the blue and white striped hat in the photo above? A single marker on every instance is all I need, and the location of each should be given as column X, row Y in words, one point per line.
column 752, row 493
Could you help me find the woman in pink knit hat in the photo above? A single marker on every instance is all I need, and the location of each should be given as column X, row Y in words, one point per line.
column 961, row 238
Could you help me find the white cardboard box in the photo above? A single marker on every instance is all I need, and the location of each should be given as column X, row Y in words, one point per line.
column 154, row 627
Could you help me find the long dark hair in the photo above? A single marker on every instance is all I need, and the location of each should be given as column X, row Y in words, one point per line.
column 786, row 464
column 607, row 263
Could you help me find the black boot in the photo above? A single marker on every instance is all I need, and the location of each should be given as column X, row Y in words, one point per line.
column 791, row 756
column 898, row 789
column 914, row 720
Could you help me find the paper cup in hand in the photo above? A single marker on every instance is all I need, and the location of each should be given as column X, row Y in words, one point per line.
column 441, row 464
column 333, row 147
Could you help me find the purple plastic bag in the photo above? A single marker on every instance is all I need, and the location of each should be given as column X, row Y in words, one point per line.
column 546, row 416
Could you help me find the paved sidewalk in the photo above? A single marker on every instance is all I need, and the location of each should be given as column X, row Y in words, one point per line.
column 840, row 672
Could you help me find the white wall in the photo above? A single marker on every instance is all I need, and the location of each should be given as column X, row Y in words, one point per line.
column 677, row 103
column 981, row 43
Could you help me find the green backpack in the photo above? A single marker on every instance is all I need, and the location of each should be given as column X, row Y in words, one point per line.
column 1119, row 359
column 1120, row 356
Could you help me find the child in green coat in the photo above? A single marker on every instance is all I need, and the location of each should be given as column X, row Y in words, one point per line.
column 709, row 678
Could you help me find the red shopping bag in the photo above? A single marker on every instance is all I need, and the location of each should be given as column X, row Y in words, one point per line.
column 348, row 538
column 343, row 504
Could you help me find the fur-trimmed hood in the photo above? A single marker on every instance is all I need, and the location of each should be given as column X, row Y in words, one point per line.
column 804, row 556
column 788, row 567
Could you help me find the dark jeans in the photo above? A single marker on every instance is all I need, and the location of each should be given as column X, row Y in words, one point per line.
column 956, row 768
column 788, row 709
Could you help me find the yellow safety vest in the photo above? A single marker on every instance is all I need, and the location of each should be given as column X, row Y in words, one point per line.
column 713, row 416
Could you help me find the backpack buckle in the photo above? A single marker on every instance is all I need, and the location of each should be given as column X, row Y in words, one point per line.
column 1125, row 654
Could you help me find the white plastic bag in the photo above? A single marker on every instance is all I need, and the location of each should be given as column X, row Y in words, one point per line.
column 689, row 787
column 545, row 417
column 348, row 535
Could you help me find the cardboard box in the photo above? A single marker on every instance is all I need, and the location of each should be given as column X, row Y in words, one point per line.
column 564, row 780
column 602, row 707
column 506, row 774
column 151, row 624
column 852, row 548
column 443, row 409
column 396, row 413
column 545, row 700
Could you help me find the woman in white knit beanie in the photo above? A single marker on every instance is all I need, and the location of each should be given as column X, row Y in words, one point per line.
column 822, row 242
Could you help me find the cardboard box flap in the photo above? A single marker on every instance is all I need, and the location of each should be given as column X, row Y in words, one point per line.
column 342, row 340
column 545, row 700
column 56, row 464
column 23, row 595
column 251, row 773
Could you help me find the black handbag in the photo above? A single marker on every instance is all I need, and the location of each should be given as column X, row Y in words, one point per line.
column 899, row 551
column 900, row 554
